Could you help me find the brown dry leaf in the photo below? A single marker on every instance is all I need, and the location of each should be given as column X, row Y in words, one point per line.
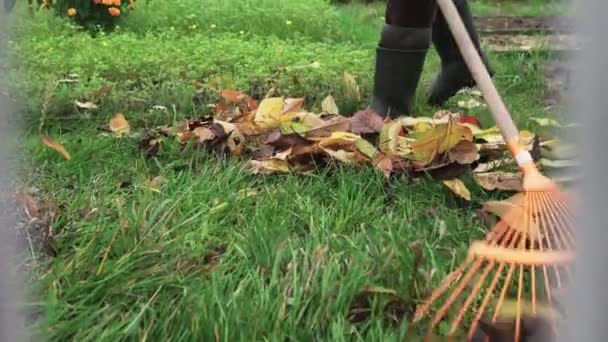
column 233, row 96
column 283, row 155
column 29, row 204
column 512, row 212
column 489, row 166
column 50, row 142
column 329, row 105
column 204, row 134
column 384, row 164
column 269, row 166
column 439, row 139
column 499, row 181
column 292, row 105
column 327, row 128
column 464, row 153
column 458, row 187
column 351, row 87
column 366, row 121
column 235, row 139
column 119, row 124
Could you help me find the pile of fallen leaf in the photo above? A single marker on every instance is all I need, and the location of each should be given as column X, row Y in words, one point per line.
column 279, row 136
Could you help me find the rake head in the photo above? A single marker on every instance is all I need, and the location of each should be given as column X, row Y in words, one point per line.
column 513, row 273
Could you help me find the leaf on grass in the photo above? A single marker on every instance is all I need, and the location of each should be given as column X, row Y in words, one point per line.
column 366, row 148
column 439, row 139
column 269, row 111
column 458, row 187
column 512, row 212
column 489, row 166
column 511, row 309
column 269, row 166
column 204, row 134
column 351, row 87
column 292, row 105
column 499, row 181
column 119, row 124
column 234, row 96
column 329, row 105
column 470, row 104
column 344, row 156
column 29, row 204
column 339, row 139
column 234, row 138
column 380, row 289
column 327, row 128
column 558, row 164
column 389, row 135
column 366, row 121
column 85, row 105
column 384, row 164
column 464, row 153
column 546, row 122
column 50, row 142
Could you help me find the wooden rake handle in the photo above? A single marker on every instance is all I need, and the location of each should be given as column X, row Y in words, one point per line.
column 480, row 74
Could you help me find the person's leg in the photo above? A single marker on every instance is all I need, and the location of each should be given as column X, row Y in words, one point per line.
column 454, row 74
column 400, row 55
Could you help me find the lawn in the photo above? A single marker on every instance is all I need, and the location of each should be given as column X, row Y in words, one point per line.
column 218, row 253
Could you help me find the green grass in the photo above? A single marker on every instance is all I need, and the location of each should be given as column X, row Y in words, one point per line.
column 132, row 264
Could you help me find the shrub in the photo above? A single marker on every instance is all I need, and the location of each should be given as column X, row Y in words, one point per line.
column 91, row 14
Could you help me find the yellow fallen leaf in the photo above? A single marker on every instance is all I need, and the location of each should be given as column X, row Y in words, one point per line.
column 269, row 166
column 509, row 310
column 439, row 139
column 366, row 148
column 344, row 156
column 269, row 111
column 329, row 105
column 339, row 138
column 388, row 137
column 546, row 122
column 50, row 142
column 119, row 124
column 458, row 187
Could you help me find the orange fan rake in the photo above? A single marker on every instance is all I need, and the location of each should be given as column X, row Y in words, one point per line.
column 529, row 250
column 524, row 254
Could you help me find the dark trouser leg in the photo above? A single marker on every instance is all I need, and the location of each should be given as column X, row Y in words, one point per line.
column 400, row 55
column 454, row 73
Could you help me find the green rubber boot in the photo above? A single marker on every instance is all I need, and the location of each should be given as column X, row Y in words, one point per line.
column 454, row 74
column 400, row 57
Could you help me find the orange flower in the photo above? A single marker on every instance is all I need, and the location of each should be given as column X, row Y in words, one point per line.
column 116, row 3
column 72, row 12
column 115, row 12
